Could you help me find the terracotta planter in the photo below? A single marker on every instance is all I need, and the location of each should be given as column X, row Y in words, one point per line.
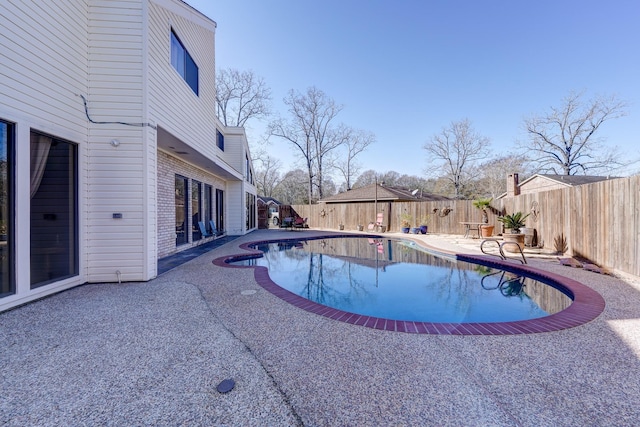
column 486, row 230
column 517, row 238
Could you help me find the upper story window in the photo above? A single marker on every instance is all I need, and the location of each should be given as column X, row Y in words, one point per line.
column 183, row 63
column 220, row 139
column 249, row 172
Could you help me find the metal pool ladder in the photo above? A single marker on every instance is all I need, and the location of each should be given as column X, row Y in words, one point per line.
column 500, row 246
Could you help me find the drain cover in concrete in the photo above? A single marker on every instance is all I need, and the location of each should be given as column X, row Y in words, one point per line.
column 248, row 292
column 226, row 386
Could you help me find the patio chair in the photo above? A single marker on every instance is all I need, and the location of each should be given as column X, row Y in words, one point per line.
column 214, row 230
column 300, row 223
column 377, row 226
column 203, row 229
column 287, row 222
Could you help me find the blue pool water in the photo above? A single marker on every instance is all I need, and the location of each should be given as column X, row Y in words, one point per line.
column 398, row 280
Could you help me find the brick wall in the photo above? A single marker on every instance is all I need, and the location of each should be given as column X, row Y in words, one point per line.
column 168, row 167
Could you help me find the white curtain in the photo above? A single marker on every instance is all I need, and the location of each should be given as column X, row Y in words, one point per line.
column 40, row 146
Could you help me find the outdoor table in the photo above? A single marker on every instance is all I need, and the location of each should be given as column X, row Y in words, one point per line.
column 471, row 226
column 287, row 223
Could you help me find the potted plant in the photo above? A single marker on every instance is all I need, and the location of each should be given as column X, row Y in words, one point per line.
column 405, row 221
column 424, row 224
column 513, row 223
column 341, row 226
column 486, row 230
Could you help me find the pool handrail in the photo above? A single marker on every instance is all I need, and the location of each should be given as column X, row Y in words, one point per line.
column 500, row 249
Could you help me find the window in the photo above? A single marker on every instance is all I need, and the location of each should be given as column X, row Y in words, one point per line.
column 251, row 211
column 54, row 209
column 182, row 204
column 207, row 213
column 220, row 210
column 220, row 139
column 249, row 172
column 7, row 281
column 183, row 63
column 196, row 210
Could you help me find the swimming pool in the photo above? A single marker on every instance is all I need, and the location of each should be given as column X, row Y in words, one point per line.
column 396, row 285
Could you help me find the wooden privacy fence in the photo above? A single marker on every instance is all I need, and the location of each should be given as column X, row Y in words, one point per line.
column 599, row 221
column 330, row 216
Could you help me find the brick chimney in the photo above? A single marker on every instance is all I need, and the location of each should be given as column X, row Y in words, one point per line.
column 512, row 185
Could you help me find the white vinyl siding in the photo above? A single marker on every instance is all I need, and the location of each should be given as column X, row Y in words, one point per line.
column 235, row 205
column 116, row 175
column 115, row 55
column 44, row 67
column 173, row 104
column 43, row 52
column 234, row 149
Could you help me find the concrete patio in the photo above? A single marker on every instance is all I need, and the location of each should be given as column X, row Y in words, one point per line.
column 153, row 354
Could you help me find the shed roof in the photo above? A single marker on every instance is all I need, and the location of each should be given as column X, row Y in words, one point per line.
column 269, row 200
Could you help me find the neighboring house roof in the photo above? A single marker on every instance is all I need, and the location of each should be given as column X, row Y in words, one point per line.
column 544, row 182
column 269, row 200
column 384, row 194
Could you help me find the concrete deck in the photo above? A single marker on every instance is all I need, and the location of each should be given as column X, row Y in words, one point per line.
column 153, row 353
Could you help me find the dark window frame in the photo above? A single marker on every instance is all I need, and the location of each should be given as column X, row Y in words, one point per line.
column 196, row 209
column 55, row 249
column 219, row 140
column 251, row 211
column 183, row 63
column 9, row 288
column 207, row 200
column 184, row 240
column 220, row 211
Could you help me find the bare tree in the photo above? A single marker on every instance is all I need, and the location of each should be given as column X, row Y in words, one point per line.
column 394, row 179
column 455, row 151
column 267, row 173
column 493, row 174
column 564, row 140
column 367, row 177
column 356, row 142
column 291, row 189
column 241, row 96
column 311, row 131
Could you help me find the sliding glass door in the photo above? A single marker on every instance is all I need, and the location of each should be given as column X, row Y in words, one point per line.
column 196, row 210
column 54, row 209
column 220, row 210
column 7, row 282
column 207, row 207
column 182, row 203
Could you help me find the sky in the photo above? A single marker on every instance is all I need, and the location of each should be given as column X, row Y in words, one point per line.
column 405, row 69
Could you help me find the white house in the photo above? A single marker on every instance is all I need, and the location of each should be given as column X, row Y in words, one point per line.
column 110, row 150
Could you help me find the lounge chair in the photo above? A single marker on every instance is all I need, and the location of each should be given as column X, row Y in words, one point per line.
column 377, row 226
column 214, row 230
column 300, row 223
column 203, row 229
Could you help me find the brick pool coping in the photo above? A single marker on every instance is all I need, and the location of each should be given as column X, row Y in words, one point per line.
column 587, row 304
